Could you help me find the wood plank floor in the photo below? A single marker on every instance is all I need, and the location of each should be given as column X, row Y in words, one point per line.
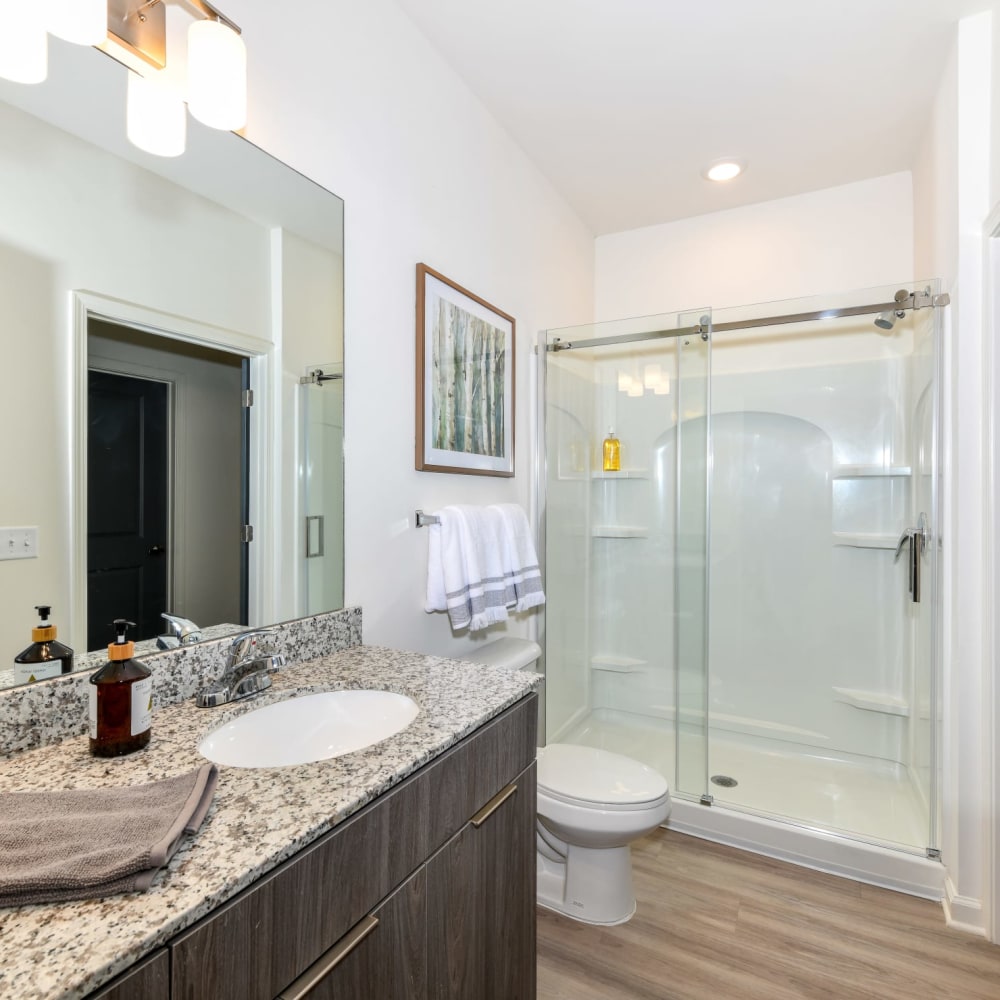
column 715, row 923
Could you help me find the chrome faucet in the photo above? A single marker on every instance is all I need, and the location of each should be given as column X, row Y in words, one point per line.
column 247, row 672
column 180, row 632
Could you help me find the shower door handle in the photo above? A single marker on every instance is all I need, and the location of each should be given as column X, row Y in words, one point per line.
column 917, row 538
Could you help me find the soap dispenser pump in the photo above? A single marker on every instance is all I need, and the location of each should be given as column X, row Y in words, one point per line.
column 121, row 699
column 45, row 657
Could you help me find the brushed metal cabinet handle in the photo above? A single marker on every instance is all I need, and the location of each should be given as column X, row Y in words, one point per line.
column 493, row 805
column 326, row 963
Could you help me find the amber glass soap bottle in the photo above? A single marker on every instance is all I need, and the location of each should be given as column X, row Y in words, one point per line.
column 121, row 699
column 612, row 453
column 46, row 656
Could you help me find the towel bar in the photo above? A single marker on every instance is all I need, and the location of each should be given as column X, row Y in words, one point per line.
column 424, row 519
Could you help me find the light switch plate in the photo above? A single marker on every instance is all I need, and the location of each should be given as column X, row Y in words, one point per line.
column 18, row 543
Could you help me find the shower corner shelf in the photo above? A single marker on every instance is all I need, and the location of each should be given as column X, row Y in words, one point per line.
column 619, row 531
column 864, row 540
column 871, row 471
column 616, row 664
column 873, row 701
column 623, row 474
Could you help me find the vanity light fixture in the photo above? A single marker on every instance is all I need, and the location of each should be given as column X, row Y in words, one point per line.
column 84, row 22
column 217, row 75
column 155, row 119
column 134, row 33
column 724, row 169
column 24, row 45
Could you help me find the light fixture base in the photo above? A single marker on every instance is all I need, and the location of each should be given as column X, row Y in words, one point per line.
column 143, row 34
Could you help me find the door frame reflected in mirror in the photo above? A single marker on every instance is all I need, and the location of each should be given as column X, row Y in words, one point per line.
column 263, row 364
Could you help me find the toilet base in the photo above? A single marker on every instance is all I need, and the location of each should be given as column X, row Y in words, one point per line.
column 593, row 885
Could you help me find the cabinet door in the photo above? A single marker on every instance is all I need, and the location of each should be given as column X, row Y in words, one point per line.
column 146, row 980
column 383, row 955
column 481, row 902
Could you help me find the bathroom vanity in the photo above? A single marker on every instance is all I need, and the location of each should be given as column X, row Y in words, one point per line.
column 405, row 870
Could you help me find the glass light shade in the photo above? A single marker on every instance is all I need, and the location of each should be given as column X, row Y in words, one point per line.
column 651, row 375
column 24, row 46
column 662, row 388
column 217, row 75
column 624, row 382
column 636, row 389
column 84, row 22
column 156, row 120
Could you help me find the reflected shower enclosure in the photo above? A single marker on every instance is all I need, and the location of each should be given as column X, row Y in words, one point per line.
column 757, row 612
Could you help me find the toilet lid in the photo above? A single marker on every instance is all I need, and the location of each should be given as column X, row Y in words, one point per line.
column 598, row 776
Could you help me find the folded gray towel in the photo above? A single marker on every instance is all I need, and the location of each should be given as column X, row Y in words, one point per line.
column 88, row 843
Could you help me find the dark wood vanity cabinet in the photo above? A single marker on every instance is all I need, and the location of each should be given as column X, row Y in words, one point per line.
column 148, row 979
column 428, row 892
column 481, row 902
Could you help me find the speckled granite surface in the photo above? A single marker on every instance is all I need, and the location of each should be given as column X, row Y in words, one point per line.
column 89, row 662
column 259, row 817
column 34, row 715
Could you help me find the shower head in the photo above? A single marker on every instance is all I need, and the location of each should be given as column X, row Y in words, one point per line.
column 887, row 320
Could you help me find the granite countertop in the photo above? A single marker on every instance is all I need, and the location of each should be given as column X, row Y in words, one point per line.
column 259, row 817
column 98, row 657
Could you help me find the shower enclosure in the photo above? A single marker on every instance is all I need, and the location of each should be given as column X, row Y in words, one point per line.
column 750, row 604
column 321, row 488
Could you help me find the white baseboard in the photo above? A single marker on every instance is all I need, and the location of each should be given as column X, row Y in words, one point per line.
column 963, row 913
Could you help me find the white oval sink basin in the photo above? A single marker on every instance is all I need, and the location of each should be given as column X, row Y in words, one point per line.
column 313, row 727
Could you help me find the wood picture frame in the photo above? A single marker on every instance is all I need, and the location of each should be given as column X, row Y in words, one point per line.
column 465, row 380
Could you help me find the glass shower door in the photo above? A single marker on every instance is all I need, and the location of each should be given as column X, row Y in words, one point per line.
column 822, row 672
column 625, row 549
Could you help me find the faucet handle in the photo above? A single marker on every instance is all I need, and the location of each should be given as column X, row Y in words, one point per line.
column 182, row 629
column 241, row 644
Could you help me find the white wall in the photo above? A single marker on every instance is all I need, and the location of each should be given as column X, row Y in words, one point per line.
column 952, row 199
column 843, row 238
column 356, row 98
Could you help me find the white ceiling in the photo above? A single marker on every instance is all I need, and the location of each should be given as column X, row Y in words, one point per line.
column 621, row 103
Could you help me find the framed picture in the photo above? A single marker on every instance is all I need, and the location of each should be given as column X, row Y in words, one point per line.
column 465, row 380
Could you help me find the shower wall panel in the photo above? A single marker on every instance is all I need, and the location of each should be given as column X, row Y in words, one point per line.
column 807, row 633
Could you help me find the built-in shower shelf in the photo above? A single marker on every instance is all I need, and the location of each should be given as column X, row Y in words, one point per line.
column 873, row 701
column 867, row 471
column 620, row 531
column 616, row 664
column 865, row 540
column 623, row 474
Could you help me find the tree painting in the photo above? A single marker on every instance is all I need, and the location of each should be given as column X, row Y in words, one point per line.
column 467, row 383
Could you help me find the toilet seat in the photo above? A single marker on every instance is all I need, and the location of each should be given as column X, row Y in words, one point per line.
column 579, row 775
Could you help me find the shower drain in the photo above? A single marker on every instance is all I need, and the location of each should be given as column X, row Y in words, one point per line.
column 724, row 780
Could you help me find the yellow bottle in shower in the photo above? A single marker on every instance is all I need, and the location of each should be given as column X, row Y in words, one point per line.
column 612, row 453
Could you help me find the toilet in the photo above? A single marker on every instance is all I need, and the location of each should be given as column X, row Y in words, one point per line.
column 591, row 805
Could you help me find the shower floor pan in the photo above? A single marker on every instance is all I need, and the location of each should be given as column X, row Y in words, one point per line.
column 854, row 817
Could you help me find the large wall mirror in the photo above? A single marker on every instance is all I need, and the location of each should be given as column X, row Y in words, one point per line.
column 141, row 299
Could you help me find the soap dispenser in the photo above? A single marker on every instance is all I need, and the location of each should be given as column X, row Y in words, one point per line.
column 44, row 657
column 121, row 699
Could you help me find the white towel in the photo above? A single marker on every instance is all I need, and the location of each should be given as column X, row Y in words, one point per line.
column 520, row 561
column 465, row 574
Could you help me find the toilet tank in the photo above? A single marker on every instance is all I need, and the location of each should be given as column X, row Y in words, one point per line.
column 507, row 653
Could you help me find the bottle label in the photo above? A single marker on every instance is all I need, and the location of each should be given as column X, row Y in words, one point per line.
column 92, row 711
column 26, row 673
column 142, row 705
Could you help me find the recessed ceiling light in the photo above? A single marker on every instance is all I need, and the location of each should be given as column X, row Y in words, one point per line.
column 724, row 170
